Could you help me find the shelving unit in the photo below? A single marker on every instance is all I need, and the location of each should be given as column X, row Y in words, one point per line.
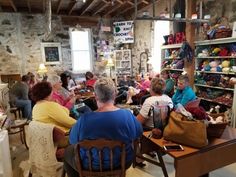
column 166, row 56
column 213, row 86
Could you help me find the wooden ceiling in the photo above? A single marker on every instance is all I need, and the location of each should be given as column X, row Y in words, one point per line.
column 76, row 8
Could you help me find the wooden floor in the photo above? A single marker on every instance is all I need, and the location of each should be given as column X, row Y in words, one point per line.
column 19, row 153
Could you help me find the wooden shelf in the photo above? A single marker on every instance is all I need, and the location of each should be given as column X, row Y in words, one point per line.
column 213, row 101
column 172, row 58
column 216, row 41
column 210, row 72
column 217, row 57
column 171, row 46
column 207, row 86
column 169, row 69
column 186, row 20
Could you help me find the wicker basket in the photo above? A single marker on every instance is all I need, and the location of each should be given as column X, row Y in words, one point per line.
column 223, row 33
column 216, row 130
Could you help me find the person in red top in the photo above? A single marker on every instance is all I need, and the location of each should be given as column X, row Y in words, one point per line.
column 90, row 80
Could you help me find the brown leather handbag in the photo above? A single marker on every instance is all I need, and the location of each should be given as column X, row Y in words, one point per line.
column 187, row 132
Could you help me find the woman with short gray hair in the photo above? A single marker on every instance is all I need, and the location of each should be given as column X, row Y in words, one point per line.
column 105, row 90
column 108, row 122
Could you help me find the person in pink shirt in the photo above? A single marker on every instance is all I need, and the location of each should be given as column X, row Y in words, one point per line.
column 61, row 95
column 141, row 89
column 65, row 98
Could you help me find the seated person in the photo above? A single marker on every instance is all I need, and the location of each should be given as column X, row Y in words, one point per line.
column 90, row 80
column 64, row 100
column 47, row 111
column 65, row 79
column 184, row 93
column 170, row 83
column 108, row 122
column 156, row 90
column 141, row 89
column 19, row 96
column 123, row 85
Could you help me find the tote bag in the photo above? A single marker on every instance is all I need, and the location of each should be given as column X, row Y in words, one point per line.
column 187, row 132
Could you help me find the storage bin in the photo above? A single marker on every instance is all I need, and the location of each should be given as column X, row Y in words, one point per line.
column 216, row 130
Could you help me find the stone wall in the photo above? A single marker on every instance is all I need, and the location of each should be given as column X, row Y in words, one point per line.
column 21, row 35
column 20, row 42
column 144, row 36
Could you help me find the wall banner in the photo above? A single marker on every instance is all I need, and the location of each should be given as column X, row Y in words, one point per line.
column 123, row 32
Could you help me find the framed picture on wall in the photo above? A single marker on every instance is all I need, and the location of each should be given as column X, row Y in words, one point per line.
column 123, row 61
column 51, row 53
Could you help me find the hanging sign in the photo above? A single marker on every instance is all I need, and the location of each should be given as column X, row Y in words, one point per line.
column 123, row 32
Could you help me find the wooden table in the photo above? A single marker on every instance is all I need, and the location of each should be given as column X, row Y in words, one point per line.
column 194, row 162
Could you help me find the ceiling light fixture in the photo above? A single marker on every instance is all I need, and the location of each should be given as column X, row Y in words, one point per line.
column 84, row 1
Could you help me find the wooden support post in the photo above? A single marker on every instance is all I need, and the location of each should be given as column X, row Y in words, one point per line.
column 190, row 36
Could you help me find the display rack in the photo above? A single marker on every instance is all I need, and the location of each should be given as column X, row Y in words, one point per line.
column 168, row 58
column 212, row 84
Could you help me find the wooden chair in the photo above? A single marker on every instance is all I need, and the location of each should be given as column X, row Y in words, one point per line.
column 100, row 144
column 51, row 133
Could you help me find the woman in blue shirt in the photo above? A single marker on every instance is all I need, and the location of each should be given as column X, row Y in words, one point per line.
column 184, row 93
column 108, row 122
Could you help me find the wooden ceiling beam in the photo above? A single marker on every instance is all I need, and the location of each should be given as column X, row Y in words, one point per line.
column 72, row 7
column 129, row 8
column 13, row 5
column 145, row 2
column 101, row 8
column 129, row 2
column 59, row 6
column 86, row 6
column 29, row 6
column 148, row 6
column 117, row 6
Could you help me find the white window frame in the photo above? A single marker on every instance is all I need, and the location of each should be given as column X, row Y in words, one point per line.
column 90, row 51
column 161, row 28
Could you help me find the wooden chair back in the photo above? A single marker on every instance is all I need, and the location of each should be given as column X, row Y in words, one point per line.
column 100, row 144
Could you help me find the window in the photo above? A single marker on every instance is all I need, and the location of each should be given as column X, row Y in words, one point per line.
column 161, row 28
column 81, row 50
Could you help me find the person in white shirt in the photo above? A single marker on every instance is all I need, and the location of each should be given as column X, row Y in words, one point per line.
column 156, row 90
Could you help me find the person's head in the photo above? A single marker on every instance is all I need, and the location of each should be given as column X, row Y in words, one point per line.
column 25, row 78
column 55, row 81
column 104, row 90
column 65, row 77
column 41, row 91
column 165, row 74
column 88, row 75
column 183, row 81
column 157, row 86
